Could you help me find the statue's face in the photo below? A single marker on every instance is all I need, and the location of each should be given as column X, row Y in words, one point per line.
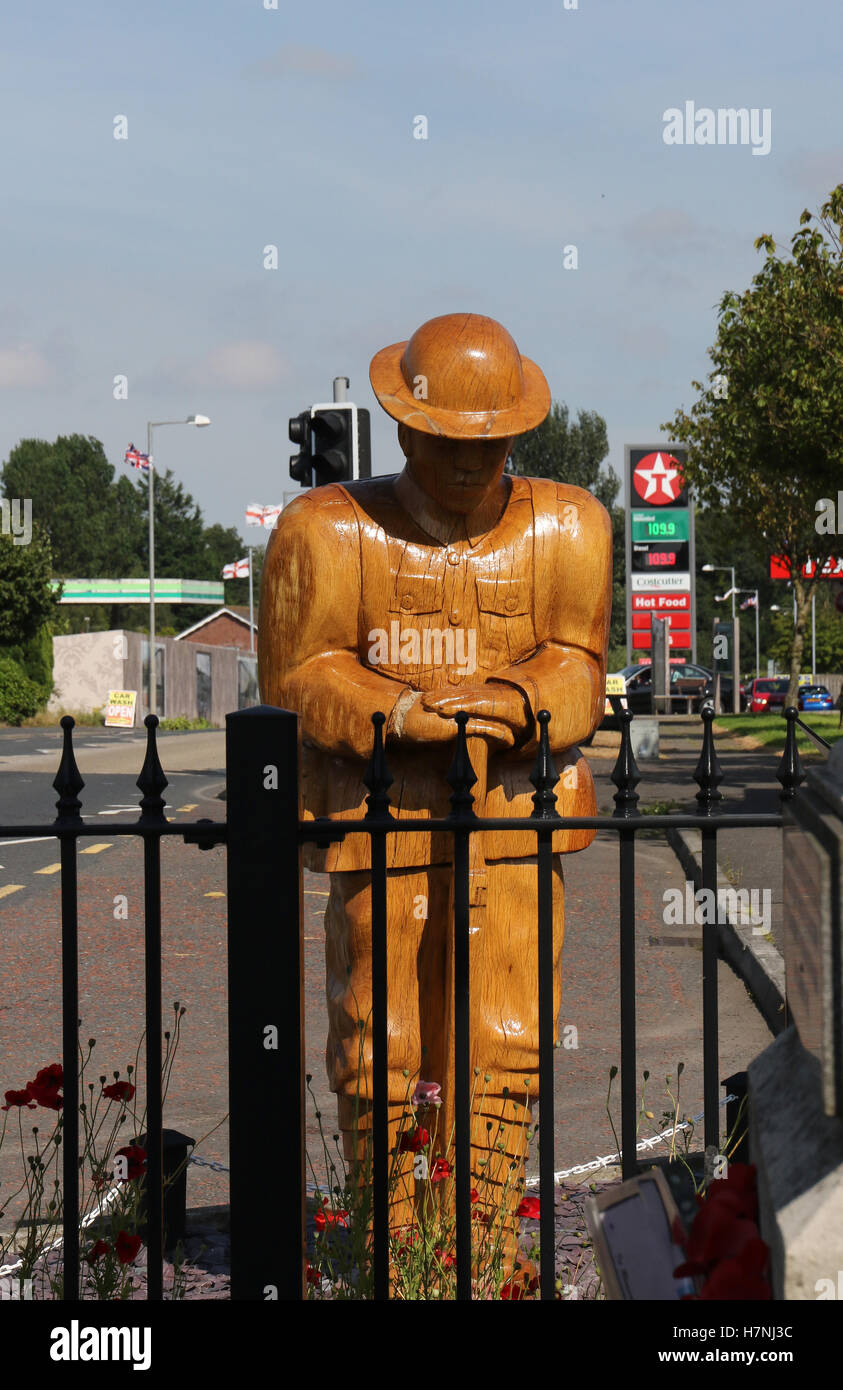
column 457, row 473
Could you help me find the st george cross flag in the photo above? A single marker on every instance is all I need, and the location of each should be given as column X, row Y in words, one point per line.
column 749, row 602
column 256, row 515
column 238, row 569
column 136, row 458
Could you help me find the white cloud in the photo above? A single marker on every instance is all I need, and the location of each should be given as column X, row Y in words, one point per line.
column 23, row 366
column 246, row 365
column 291, row 60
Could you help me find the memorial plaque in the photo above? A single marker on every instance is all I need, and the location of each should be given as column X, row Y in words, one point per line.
column 813, row 885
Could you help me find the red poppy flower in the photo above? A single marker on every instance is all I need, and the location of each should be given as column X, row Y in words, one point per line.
column 441, row 1169
column 119, row 1090
column 136, row 1162
column 519, row 1287
column 127, row 1247
column 737, row 1189
column 324, row 1217
column 473, row 1195
column 44, row 1090
column 740, row 1277
column 446, row 1261
column 18, row 1098
column 102, row 1247
column 717, row 1234
column 484, row 1217
column 412, row 1142
column 313, row 1276
column 530, row 1207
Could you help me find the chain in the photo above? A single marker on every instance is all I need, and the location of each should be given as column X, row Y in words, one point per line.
column 209, row 1163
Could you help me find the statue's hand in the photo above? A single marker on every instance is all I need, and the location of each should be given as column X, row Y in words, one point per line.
column 422, row 726
column 498, row 706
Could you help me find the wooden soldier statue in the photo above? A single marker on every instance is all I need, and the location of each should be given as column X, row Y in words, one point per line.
column 450, row 586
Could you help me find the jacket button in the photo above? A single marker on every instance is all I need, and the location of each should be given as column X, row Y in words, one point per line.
column 406, row 600
column 454, row 616
column 510, row 604
column 453, row 557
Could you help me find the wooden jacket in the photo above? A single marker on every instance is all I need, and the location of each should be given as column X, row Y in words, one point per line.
column 350, row 576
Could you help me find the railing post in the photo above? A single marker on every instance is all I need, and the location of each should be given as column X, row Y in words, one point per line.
column 626, row 777
column 265, row 1004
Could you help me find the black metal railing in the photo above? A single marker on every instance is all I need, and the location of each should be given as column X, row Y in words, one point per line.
column 264, row 833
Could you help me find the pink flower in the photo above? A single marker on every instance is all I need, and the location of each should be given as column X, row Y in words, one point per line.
column 426, row 1093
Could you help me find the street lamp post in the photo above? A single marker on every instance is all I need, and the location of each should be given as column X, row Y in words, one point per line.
column 709, row 569
column 150, row 426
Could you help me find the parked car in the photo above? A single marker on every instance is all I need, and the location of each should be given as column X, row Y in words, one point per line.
column 815, row 697
column 687, row 682
column 768, row 693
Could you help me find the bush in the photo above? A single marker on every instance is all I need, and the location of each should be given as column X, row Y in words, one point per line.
column 182, row 723
column 19, row 696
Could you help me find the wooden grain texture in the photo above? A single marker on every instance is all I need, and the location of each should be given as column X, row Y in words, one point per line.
column 451, row 586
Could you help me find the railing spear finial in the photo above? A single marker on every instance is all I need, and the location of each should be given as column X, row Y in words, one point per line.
column 68, row 780
column 626, row 775
column 461, row 774
column 789, row 771
column 378, row 777
column 544, row 775
column 708, row 773
column 152, row 781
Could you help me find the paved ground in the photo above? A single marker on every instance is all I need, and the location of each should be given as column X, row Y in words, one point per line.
column 669, row 975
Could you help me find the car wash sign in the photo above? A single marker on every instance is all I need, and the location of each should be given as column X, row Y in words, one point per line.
column 659, row 548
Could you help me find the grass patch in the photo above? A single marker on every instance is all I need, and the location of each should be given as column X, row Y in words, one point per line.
column 770, row 729
column 49, row 719
column 183, row 724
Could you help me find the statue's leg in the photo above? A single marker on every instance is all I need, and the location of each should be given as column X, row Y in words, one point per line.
column 505, row 1037
column 348, row 961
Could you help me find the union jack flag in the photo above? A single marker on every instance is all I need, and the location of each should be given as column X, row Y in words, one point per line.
column 748, row 602
column 238, row 569
column 136, row 458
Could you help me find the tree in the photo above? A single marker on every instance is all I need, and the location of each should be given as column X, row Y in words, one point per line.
column 93, row 524
column 765, row 437
column 574, row 453
column 829, row 634
column 27, row 597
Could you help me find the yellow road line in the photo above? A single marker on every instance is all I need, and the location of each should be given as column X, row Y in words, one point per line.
column 49, row 869
column 188, row 808
column 315, row 893
column 214, row 895
column 95, row 849
column 10, row 888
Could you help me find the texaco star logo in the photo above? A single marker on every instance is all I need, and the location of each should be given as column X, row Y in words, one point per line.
column 658, row 478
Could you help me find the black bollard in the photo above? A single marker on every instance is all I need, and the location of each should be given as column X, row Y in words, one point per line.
column 175, row 1188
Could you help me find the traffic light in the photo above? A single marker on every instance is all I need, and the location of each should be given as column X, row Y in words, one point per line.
column 335, row 442
column 301, row 467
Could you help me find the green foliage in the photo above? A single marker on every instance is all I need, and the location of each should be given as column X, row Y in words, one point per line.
column 35, row 658
column 829, row 627
column 574, row 453
column 765, row 437
column 181, row 722
column 19, row 696
column 98, row 527
column 27, row 600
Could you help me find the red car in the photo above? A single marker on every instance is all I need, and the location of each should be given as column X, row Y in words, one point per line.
column 768, row 694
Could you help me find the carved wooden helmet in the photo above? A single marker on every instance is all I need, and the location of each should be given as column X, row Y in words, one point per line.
column 460, row 376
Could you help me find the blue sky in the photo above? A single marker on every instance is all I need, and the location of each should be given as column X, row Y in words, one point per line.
column 250, row 126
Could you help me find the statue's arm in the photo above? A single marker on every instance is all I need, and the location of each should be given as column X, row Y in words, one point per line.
column 307, row 648
column 567, row 673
